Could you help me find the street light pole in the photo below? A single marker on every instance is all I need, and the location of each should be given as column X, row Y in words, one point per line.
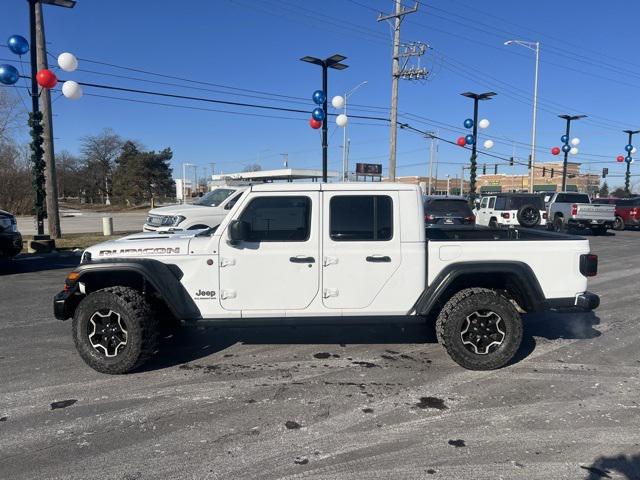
column 345, row 149
column 184, row 181
column 472, row 171
column 535, row 46
column 330, row 62
column 628, row 160
column 569, row 119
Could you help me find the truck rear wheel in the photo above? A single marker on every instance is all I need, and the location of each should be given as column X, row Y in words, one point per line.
column 480, row 329
column 114, row 330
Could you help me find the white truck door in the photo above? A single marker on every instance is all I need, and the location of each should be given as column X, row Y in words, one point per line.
column 279, row 268
column 481, row 215
column 360, row 246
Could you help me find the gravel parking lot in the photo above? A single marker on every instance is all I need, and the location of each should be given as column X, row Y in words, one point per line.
column 379, row 402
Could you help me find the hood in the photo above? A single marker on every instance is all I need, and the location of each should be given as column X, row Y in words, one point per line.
column 179, row 209
column 5, row 214
column 150, row 244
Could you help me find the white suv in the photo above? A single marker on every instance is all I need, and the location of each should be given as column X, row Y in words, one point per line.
column 206, row 212
column 511, row 209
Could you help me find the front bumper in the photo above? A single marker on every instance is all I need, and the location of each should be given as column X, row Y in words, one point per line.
column 65, row 303
column 149, row 228
column 582, row 302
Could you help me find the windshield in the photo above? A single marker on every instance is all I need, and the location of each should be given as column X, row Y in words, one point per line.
column 516, row 202
column 448, row 206
column 214, row 198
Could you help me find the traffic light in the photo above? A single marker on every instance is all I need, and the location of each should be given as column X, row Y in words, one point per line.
column 529, row 162
column 484, row 169
column 511, row 161
column 605, row 172
column 552, row 173
column 495, row 170
column 544, row 171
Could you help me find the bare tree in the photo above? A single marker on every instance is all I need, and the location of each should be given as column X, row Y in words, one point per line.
column 253, row 167
column 99, row 153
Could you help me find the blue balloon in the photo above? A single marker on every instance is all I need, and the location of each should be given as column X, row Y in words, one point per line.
column 318, row 114
column 18, row 44
column 628, row 159
column 8, row 74
column 628, row 148
column 318, row 97
column 564, row 138
column 469, row 140
column 468, row 123
column 566, row 148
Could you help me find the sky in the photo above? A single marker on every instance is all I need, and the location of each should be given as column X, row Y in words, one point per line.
column 248, row 51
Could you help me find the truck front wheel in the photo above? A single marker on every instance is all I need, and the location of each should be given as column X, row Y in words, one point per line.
column 114, row 330
column 480, row 329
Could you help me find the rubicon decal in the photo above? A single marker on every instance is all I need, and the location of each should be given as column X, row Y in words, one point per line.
column 140, row 251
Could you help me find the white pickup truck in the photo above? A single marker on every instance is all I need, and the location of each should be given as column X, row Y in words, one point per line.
column 574, row 210
column 206, row 212
column 331, row 253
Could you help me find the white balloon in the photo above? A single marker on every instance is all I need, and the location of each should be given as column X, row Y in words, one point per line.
column 573, row 151
column 72, row 90
column 488, row 144
column 575, row 142
column 633, row 150
column 484, row 123
column 341, row 120
column 67, row 62
column 337, row 101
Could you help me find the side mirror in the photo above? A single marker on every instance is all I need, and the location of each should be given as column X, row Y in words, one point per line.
column 239, row 231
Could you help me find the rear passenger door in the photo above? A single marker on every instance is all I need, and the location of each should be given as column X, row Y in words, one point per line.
column 361, row 246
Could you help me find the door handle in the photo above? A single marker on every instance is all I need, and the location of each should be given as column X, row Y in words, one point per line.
column 302, row 259
column 378, row 258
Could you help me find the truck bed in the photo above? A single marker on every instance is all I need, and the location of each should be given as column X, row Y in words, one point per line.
column 478, row 233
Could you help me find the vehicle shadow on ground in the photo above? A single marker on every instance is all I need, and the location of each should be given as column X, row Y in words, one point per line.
column 37, row 263
column 192, row 343
column 553, row 326
column 626, row 465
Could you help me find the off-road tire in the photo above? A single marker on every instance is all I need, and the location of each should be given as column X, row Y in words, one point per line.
column 598, row 231
column 453, row 317
column 618, row 224
column 141, row 325
column 528, row 216
column 559, row 225
column 493, row 223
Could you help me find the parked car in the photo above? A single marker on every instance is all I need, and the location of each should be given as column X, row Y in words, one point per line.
column 574, row 210
column 447, row 210
column 10, row 237
column 323, row 251
column 206, row 212
column 511, row 209
column 627, row 211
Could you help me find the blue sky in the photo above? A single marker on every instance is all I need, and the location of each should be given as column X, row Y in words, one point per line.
column 256, row 45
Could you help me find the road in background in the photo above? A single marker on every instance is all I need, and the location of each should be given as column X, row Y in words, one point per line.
column 86, row 221
column 380, row 402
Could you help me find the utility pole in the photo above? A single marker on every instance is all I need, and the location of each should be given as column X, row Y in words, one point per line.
column 431, row 136
column 628, row 159
column 397, row 17
column 566, row 148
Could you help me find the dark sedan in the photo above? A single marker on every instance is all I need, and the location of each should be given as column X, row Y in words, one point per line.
column 10, row 238
column 446, row 210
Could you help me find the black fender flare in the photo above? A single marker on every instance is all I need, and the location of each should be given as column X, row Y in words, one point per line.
column 520, row 272
column 164, row 278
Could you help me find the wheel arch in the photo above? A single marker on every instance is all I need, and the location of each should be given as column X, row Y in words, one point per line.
column 515, row 278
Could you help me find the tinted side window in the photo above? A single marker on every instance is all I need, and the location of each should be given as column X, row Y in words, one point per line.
column 483, row 202
column 501, row 203
column 278, row 219
column 230, row 204
column 492, row 201
column 360, row 218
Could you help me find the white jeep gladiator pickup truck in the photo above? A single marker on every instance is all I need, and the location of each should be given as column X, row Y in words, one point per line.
column 575, row 210
column 332, row 253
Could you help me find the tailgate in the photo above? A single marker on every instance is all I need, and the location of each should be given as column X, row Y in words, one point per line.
column 588, row 211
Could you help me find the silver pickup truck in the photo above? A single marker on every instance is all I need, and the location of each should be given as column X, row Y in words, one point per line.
column 574, row 210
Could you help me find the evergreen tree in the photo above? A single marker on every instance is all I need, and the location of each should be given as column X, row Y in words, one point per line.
column 604, row 190
column 141, row 175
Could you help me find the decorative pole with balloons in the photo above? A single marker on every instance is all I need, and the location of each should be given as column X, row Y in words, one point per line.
column 471, row 139
column 318, row 116
column 567, row 147
column 630, row 149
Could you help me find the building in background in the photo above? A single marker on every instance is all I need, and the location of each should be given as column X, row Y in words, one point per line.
column 438, row 186
column 547, row 178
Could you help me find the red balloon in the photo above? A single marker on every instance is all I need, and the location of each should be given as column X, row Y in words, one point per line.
column 315, row 124
column 620, row 158
column 461, row 141
column 46, row 78
column 555, row 151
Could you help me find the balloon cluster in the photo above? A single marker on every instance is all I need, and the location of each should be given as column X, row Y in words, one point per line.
column 9, row 75
column 338, row 102
column 631, row 150
column 469, row 139
column 567, row 147
column 318, row 115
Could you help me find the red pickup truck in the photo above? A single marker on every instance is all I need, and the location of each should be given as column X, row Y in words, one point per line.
column 627, row 211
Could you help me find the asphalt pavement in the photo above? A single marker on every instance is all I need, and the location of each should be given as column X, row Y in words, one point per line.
column 87, row 221
column 379, row 402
